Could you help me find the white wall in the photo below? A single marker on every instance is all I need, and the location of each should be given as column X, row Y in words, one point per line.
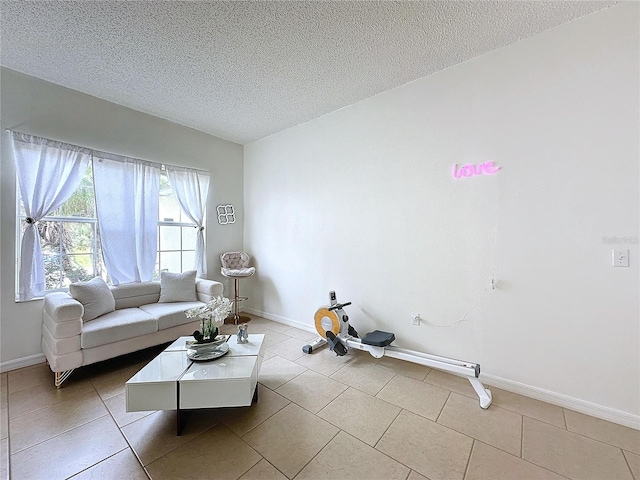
column 40, row 108
column 362, row 201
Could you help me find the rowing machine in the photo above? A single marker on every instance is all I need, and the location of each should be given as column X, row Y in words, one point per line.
column 332, row 324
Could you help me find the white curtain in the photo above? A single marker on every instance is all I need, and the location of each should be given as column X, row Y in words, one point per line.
column 127, row 192
column 191, row 187
column 48, row 174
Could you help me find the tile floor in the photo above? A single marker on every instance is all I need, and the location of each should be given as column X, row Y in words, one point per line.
column 319, row 416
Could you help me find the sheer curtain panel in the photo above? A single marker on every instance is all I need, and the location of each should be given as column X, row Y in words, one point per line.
column 127, row 192
column 191, row 187
column 48, row 174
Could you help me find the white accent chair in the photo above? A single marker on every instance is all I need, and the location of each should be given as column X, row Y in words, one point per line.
column 236, row 265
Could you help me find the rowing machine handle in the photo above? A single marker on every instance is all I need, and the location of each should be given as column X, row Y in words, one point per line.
column 338, row 305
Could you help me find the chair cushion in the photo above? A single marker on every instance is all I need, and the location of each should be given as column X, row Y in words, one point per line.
column 115, row 326
column 235, row 260
column 178, row 287
column 95, row 296
column 238, row 272
column 170, row 314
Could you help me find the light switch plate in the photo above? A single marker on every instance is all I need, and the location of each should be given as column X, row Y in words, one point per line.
column 620, row 257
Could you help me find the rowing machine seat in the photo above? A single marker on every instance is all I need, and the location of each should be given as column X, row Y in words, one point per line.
column 378, row 338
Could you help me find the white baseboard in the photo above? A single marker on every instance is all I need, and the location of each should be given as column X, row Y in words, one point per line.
column 279, row 319
column 22, row 362
column 559, row 399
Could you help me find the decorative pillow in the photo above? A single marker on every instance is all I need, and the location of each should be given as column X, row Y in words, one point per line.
column 95, row 296
column 178, row 287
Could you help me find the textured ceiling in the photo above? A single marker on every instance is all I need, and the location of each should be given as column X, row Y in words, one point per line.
column 245, row 70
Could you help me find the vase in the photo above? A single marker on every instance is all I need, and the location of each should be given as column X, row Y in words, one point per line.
column 208, row 331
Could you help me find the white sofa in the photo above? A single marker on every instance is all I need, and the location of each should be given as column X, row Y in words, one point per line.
column 138, row 322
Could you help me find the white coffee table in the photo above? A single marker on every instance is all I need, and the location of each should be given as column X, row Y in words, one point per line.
column 171, row 381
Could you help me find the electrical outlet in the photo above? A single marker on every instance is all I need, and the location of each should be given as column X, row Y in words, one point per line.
column 620, row 257
column 415, row 319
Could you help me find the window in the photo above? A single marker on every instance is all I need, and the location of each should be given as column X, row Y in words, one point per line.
column 70, row 237
column 176, row 233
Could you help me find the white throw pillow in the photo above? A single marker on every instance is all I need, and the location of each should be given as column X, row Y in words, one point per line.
column 178, row 287
column 95, row 296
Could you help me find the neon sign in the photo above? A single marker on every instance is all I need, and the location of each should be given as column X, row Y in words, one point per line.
column 468, row 170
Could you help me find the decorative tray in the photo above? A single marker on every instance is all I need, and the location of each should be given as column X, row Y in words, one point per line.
column 207, row 351
column 218, row 340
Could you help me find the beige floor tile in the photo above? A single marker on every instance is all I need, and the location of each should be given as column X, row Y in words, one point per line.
column 123, row 465
column 267, row 355
column 28, row 377
column 361, row 415
column 571, row 454
column 4, row 459
column 359, row 356
column 451, row 382
column 217, row 453
column 4, row 423
column 607, row 432
column 634, row 463
column 324, row 361
column 346, row 454
column 495, row 426
column 272, row 338
column 241, row 420
column 4, row 390
column 263, row 470
column 290, row 349
column 113, row 383
column 118, row 409
column 364, row 376
column 153, row 436
column 414, row 395
column 35, row 427
column 69, row 453
column 277, row 327
column 44, row 395
column 300, row 334
column 426, row 447
column 257, row 323
column 290, row 438
column 408, row 369
column 416, row 476
column 311, row 390
column 277, row 371
column 545, row 412
column 488, row 462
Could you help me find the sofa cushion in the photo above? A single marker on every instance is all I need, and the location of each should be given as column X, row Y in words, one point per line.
column 95, row 296
column 170, row 314
column 129, row 295
column 116, row 326
column 178, row 287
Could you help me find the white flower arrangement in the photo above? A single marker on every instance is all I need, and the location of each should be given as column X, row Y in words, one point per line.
column 211, row 315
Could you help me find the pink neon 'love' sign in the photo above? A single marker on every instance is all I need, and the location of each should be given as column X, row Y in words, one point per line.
column 468, row 170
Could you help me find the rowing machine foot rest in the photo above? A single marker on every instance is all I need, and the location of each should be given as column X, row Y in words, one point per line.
column 378, row 338
column 335, row 344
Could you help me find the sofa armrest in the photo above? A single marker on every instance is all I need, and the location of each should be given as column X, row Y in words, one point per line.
column 62, row 308
column 207, row 290
column 61, row 330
